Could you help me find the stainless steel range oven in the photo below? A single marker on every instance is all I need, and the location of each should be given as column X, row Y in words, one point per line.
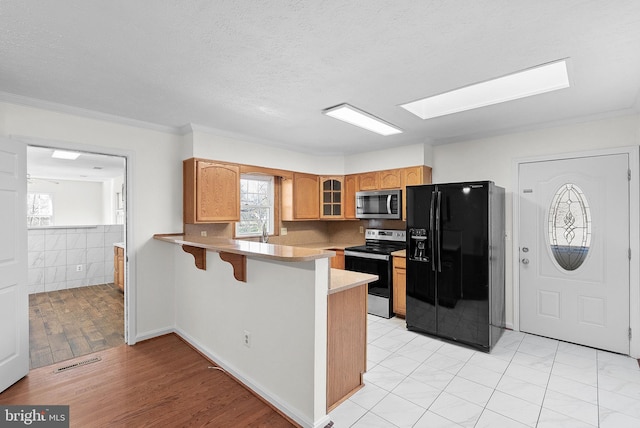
column 375, row 258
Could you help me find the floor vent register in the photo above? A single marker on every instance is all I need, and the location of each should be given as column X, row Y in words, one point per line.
column 78, row 364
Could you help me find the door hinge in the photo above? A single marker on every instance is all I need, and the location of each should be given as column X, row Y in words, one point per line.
column 629, row 253
column 629, row 174
column 629, row 333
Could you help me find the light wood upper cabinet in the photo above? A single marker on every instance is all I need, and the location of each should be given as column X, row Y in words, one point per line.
column 300, row 197
column 416, row 175
column 349, row 197
column 368, row 181
column 413, row 176
column 331, row 197
column 390, row 179
column 211, row 191
column 397, row 178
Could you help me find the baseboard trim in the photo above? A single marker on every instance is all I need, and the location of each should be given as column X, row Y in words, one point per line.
column 273, row 400
column 153, row 333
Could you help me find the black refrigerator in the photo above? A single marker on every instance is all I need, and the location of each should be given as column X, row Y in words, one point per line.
column 455, row 261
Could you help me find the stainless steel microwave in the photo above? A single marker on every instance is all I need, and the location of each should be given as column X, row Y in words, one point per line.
column 379, row 204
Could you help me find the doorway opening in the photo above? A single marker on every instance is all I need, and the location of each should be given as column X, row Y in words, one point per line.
column 76, row 216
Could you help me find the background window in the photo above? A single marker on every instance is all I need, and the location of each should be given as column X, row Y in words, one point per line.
column 39, row 209
column 256, row 205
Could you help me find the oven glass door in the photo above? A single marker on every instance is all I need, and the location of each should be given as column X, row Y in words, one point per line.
column 382, row 268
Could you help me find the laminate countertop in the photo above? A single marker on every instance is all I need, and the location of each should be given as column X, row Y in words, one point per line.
column 399, row 253
column 284, row 253
column 339, row 280
column 342, row 280
column 330, row 245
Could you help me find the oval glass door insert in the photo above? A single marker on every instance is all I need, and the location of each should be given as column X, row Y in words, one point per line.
column 569, row 226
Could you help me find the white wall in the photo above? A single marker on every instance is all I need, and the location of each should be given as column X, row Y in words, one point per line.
column 108, row 203
column 75, row 203
column 493, row 159
column 284, row 308
column 210, row 146
column 156, row 188
column 110, row 193
column 399, row 157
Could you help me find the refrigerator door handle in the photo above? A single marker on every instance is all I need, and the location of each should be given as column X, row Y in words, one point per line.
column 431, row 230
column 438, row 220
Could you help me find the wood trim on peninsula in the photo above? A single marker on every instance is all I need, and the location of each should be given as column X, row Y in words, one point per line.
column 239, row 263
column 199, row 254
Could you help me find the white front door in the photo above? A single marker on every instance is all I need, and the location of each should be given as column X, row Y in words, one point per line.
column 14, row 304
column 574, row 250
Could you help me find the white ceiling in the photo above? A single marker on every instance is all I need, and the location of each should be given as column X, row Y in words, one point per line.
column 87, row 167
column 265, row 70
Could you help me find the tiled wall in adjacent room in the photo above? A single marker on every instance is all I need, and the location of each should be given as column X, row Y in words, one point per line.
column 56, row 252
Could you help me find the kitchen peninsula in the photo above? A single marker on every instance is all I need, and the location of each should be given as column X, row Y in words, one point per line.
column 275, row 317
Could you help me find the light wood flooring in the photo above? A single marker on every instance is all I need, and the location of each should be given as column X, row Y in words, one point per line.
column 70, row 323
column 161, row 382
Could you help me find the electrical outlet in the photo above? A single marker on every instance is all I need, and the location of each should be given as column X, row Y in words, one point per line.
column 361, row 229
column 283, row 231
column 246, row 338
column 79, row 268
column 203, row 233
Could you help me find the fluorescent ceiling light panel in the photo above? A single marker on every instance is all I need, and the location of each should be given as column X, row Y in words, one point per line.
column 61, row 154
column 352, row 115
column 533, row 81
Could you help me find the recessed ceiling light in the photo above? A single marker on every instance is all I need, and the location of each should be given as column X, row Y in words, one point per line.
column 352, row 115
column 533, row 81
column 62, row 154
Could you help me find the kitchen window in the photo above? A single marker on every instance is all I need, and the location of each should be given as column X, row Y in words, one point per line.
column 256, row 205
column 39, row 209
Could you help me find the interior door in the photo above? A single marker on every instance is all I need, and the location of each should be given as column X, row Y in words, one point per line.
column 14, row 306
column 574, row 250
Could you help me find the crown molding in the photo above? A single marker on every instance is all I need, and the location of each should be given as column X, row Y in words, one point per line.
column 91, row 114
column 537, row 127
column 190, row 128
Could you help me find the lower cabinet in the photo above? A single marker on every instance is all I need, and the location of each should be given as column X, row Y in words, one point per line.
column 118, row 267
column 346, row 343
column 337, row 262
column 400, row 286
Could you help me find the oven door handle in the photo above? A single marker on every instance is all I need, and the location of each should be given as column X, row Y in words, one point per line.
column 366, row 255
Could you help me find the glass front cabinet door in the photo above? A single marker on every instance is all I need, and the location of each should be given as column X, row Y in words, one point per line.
column 331, row 197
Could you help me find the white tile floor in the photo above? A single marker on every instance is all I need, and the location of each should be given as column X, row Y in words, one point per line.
column 527, row 381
